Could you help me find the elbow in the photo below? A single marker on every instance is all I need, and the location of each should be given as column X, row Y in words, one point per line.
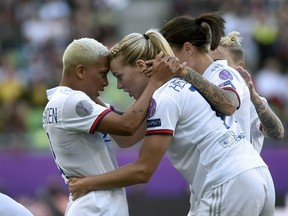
column 277, row 135
column 227, row 110
column 144, row 174
column 281, row 135
column 230, row 111
column 130, row 128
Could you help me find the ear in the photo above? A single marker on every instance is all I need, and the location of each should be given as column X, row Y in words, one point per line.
column 188, row 47
column 141, row 65
column 80, row 70
column 241, row 63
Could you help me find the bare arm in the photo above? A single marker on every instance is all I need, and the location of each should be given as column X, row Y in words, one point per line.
column 128, row 141
column 126, row 124
column 271, row 124
column 131, row 174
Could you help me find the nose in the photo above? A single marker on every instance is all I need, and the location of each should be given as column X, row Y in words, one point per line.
column 105, row 82
column 119, row 85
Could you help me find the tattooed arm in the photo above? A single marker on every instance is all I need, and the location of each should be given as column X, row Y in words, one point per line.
column 224, row 101
column 272, row 127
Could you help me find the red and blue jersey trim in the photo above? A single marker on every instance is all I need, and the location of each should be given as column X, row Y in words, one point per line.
column 159, row 132
column 98, row 120
column 232, row 89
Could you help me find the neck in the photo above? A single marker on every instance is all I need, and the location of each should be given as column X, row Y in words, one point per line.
column 201, row 63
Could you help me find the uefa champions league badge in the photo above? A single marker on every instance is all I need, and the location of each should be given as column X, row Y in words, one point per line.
column 84, row 108
column 225, row 75
column 152, row 108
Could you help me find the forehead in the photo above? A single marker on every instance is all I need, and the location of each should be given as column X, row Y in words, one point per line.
column 102, row 61
column 116, row 64
column 101, row 64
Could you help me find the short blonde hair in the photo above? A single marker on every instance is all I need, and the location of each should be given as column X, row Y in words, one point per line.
column 137, row 46
column 82, row 51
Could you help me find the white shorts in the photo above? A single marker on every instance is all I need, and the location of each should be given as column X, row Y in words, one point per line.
column 96, row 203
column 250, row 193
column 9, row 207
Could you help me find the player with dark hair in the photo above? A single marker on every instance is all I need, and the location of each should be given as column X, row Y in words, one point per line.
column 213, row 155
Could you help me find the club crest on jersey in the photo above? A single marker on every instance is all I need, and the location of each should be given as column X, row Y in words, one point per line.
column 177, row 85
column 152, row 108
column 84, row 108
column 225, row 75
column 226, row 140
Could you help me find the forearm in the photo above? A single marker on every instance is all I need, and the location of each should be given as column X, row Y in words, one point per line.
column 125, row 176
column 271, row 124
column 136, row 113
column 224, row 102
column 128, row 141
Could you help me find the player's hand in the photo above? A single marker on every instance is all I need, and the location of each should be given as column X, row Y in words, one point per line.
column 77, row 187
column 166, row 67
column 148, row 70
column 247, row 77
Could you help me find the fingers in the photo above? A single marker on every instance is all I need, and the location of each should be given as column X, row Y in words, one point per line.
column 149, row 62
column 148, row 71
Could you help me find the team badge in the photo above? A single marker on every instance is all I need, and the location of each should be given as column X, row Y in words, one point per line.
column 225, row 75
column 152, row 108
column 84, row 108
column 226, row 140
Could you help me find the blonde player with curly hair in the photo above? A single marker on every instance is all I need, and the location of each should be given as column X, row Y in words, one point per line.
column 264, row 122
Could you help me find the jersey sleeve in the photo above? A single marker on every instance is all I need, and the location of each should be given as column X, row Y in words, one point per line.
column 229, row 79
column 80, row 113
column 162, row 116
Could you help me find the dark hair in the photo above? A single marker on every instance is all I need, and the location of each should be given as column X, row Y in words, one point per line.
column 203, row 32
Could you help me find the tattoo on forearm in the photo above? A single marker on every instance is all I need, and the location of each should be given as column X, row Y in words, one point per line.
column 271, row 124
column 214, row 94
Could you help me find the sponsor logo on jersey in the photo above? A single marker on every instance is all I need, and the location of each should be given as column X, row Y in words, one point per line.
column 152, row 108
column 177, row 84
column 84, row 108
column 225, row 75
column 153, row 123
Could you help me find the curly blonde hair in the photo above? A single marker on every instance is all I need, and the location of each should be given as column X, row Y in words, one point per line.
column 231, row 40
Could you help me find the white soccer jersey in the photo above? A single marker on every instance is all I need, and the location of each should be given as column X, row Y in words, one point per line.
column 220, row 74
column 202, row 149
column 256, row 134
column 70, row 119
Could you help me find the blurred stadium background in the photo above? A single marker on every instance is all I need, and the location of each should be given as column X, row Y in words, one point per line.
column 33, row 36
